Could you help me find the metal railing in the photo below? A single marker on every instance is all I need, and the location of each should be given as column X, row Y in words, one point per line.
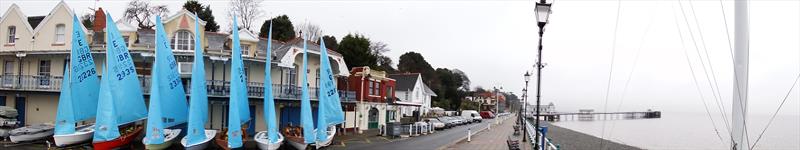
column 549, row 144
column 213, row 87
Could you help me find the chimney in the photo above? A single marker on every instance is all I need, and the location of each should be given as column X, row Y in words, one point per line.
column 99, row 20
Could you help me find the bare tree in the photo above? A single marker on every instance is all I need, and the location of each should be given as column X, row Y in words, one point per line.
column 246, row 11
column 141, row 11
column 313, row 31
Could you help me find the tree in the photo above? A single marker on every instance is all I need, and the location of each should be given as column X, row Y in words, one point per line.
column 87, row 20
column 330, row 42
column 313, row 31
column 204, row 13
column 415, row 63
column 141, row 12
column 247, row 12
column 283, row 30
column 384, row 62
column 355, row 50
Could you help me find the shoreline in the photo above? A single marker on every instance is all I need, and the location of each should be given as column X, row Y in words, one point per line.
column 571, row 139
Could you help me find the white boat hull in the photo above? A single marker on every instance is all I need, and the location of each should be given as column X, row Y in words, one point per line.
column 83, row 134
column 30, row 137
column 202, row 145
column 262, row 139
column 298, row 145
column 318, row 144
column 169, row 136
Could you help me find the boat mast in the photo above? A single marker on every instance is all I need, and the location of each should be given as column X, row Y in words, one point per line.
column 740, row 69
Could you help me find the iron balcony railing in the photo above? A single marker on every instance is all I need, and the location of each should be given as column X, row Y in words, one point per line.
column 215, row 88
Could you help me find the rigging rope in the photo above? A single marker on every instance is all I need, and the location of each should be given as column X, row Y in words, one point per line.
column 610, row 71
column 776, row 112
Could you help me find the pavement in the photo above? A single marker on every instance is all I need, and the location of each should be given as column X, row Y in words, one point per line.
column 492, row 139
column 438, row 140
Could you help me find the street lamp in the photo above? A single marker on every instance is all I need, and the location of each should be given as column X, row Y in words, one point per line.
column 543, row 12
column 525, row 104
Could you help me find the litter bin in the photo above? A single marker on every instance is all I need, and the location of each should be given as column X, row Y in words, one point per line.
column 393, row 129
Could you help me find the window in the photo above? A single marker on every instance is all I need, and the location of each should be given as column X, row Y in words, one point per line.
column 389, row 92
column 44, row 73
column 8, row 73
column 60, row 34
column 371, row 86
column 317, row 81
column 377, row 88
column 245, row 49
column 183, row 40
column 12, row 34
column 185, row 67
column 126, row 39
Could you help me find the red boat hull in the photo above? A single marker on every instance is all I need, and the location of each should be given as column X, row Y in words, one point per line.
column 119, row 142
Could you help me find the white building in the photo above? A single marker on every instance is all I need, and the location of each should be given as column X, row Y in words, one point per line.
column 412, row 93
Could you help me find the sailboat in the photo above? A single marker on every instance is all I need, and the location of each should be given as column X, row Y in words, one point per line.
column 270, row 139
column 167, row 97
column 78, row 99
column 120, row 105
column 197, row 137
column 330, row 107
column 238, row 112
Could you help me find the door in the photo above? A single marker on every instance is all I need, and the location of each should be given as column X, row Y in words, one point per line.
column 373, row 118
column 19, row 104
column 251, row 125
column 2, row 100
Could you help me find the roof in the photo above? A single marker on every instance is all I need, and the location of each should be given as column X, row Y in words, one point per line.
column 183, row 11
column 246, row 36
column 405, row 81
column 21, row 16
column 60, row 4
column 124, row 26
column 35, row 20
column 429, row 91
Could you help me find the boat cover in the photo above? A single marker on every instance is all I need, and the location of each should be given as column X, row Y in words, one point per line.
column 8, row 122
column 32, row 129
column 8, row 112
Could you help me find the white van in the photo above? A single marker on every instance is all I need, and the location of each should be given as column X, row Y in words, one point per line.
column 474, row 115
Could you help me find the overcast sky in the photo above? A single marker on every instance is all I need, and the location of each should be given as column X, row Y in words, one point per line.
column 494, row 42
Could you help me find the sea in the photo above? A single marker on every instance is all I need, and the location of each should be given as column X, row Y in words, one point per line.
column 692, row 131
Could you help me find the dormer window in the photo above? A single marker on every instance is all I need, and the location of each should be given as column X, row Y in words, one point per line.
column 245, row 49
column 60, row 34
column 183, row 41
column 12, row 34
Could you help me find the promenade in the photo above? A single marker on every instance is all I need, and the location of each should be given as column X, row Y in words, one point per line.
column 492, row 139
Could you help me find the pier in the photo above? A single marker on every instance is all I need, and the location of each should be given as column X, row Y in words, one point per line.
column 590, row 116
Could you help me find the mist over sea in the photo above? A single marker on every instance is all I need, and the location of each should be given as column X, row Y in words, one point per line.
column 692, row 131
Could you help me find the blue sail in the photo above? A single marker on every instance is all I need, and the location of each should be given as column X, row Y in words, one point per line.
column 105, row 128
column 239, row 79
column 198, row 100
column 305, row 101
column 124, row 82
column 269, row 101
column 80, row 103
column 65, row 121
column 235, row 120
column 332, row 103
column 166, row 90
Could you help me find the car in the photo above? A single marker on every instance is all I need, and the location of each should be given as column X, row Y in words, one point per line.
column 449, row 123
column 487, row 114
column 474, row 115
column 466, row 119
column 458, row 121
column 438, row 125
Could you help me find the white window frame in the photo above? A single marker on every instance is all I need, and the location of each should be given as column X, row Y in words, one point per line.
column 183, row 40
column 245, row 49
column 44, row 69
column 12, row 35
column 60, row 34
column 8, row 73
column 185, row 67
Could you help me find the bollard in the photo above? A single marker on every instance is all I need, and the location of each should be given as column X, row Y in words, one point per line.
column 490, row 126
column 469, row 135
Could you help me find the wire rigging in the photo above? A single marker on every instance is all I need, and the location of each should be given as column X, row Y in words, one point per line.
column 776, row 112
column 610, row 71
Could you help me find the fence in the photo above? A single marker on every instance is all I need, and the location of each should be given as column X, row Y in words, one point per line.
column 548, row 146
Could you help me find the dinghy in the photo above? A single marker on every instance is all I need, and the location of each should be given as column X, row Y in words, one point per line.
column 270, row 139
column 197, row 137
column 167, row 98
column 31, row 133
column 239, row 111
column 120, row 105
column 79, row 93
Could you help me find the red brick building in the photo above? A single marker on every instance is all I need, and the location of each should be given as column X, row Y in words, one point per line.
column 374, row 91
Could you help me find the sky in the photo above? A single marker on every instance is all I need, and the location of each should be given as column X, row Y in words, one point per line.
column 657, row 46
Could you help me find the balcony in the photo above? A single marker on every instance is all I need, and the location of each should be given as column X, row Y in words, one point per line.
column 215, row 88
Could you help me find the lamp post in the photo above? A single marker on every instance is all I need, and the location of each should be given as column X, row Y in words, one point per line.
column 542, row 15
column 497, row 100
column 525, row 104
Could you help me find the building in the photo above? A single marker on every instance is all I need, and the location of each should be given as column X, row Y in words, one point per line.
column 374, row 91
column 488, row 100
column 35, row 50
column 413, row 95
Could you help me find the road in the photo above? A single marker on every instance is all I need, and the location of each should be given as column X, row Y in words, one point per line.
column 428, row 142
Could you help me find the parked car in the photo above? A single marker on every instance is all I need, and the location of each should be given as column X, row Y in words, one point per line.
column 456, row 121
column 487, row 114
column 448, row 123
column 467, row 120
column 474, row 115
column 438, row 125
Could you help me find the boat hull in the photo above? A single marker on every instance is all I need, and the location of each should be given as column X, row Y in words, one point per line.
column 262, row 139
column 82, row 135
column 299, row 143
column 169, row 137
column 328, row 140
column 222, row 140
column 202, row 145
column 46, row 131
column 119, row 141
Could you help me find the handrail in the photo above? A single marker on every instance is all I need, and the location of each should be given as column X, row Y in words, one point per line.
column 549, row 145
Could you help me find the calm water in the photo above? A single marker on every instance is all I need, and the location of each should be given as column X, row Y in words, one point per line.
column 691, row 131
